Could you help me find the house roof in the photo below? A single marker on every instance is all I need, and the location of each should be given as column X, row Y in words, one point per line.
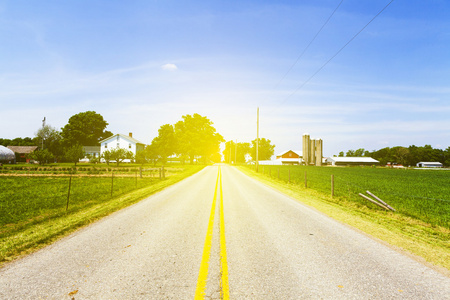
column 425, row 162
column 22, row 149
column 299, row 153
column 123, row 136
column 353, row 159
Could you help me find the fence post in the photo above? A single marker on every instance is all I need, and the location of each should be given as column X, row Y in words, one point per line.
column 140, row 171
column 136, row 178
column 68, row 194
column 163, row 173
column 112, row 182
column 306, row 181
column 332, row 185
column 160, row 173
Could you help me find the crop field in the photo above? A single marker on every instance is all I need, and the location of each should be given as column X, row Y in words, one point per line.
column 421, row 194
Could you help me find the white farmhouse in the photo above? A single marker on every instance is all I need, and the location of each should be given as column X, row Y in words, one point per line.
column 126, row 142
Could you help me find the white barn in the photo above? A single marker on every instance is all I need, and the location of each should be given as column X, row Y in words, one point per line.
column 126, row 142
column 429, row 164
column 352, row 161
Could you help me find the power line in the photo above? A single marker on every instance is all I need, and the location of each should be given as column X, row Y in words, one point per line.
column 306, row 48
column 336, row 54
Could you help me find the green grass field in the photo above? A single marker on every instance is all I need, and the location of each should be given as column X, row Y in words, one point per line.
column 33, row 204
column 421, row 194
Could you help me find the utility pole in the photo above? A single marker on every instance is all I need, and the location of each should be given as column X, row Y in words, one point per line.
column 235, row 152
column 257, row 139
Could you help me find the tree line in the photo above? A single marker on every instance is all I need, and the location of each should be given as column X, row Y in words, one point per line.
column 237, row 152
column 407, row 156
column 192, row 139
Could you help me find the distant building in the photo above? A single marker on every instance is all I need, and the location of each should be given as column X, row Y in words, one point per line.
column 23, row 152
column 126, row 142
column 352, row 161
column 312, row 151
column 289, row 157
column 7, row 156
column 90, row 152
column 424, row 164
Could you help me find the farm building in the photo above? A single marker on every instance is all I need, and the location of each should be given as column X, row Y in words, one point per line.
column 290, row 157
column 424, row 164
column 126, row 142
column 352, row 161
column 90, row 152
column 6, row 155
column 22, row 152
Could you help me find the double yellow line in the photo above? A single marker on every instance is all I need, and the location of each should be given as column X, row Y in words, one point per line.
column 203, row 273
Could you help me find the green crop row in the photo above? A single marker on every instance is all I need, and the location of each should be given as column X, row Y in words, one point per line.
column 421, row 194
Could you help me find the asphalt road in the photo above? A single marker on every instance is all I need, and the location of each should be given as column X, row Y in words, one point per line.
column 263, row 246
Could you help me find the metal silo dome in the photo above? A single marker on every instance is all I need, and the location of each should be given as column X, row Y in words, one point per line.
column 6, row 155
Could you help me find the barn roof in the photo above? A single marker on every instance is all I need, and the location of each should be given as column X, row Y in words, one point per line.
column 353, row 159
column 299, row 153
column 22, row 149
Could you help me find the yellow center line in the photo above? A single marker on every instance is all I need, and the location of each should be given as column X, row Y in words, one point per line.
column 203, row 273
column 223, row 250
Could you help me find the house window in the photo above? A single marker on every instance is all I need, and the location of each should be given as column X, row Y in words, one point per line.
column 129, row 145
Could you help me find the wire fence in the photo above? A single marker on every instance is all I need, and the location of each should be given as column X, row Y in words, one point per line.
column 33, row 196
column 422, row 194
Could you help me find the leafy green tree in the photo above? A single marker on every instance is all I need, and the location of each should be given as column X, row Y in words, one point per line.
column 238, row 151
column 265, row 151
column 118, row 155
column 141, row 157
column 85, row 128
column 165, row 144
column 74, row 154
column 43, row 156
column 48, row 137
column 197, row 138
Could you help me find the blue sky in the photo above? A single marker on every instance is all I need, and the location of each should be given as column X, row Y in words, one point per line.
column 142, row 64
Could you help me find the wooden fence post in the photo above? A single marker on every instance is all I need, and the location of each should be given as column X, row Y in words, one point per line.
column 332, row 185
column 306, row 181
column 140, row 171
column 112, row 182
column 68, row 194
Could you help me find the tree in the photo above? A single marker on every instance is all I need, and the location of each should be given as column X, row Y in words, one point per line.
column 265, row 151
column 197, row 138
column 43, row 156
column 48, row 137
column 165, row 144
column 74, row 154
column 85, row 128
column 118, row 155
column 238, row 151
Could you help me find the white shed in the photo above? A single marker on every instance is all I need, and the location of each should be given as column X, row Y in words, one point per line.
column 429, row 164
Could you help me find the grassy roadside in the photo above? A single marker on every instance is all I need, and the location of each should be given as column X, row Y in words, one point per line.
column 29, row 239
column 428, row 244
